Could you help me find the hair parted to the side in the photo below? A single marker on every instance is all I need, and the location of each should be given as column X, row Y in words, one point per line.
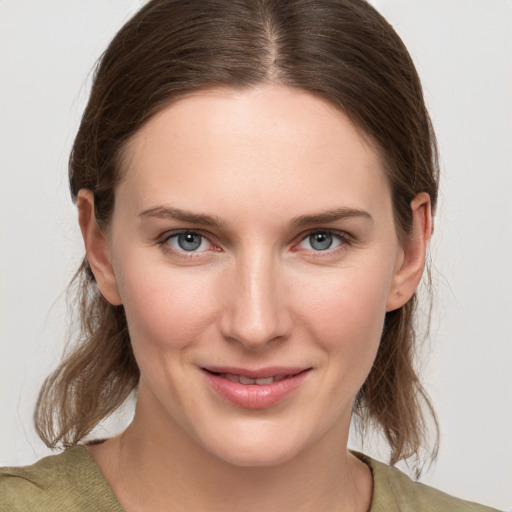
column 342, row 50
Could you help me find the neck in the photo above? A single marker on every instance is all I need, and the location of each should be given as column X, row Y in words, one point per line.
column 158, row 466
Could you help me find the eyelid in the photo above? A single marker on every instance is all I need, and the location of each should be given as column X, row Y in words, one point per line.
column 163, row 240
column 344, row 237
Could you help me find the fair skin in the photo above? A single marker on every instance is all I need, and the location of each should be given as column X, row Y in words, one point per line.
column 261, row 278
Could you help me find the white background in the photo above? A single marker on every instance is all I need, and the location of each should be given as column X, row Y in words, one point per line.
column 463, row 51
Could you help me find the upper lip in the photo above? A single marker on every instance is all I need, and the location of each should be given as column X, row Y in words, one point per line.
column 260, row 373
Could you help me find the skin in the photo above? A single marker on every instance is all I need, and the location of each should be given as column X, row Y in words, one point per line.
column 255, row 294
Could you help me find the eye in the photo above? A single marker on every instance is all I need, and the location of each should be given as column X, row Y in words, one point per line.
column 188, row 241
column 322, row 241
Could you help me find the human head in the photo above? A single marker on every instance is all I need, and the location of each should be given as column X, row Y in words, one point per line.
column 341, row 50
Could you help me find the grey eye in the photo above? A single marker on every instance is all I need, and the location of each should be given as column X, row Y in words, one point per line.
column 321, row 241
column 187, row 241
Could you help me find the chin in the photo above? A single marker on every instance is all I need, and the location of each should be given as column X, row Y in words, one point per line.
column 258, row 457
column 256, row 448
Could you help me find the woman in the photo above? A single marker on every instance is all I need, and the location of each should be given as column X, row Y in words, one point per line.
column 255, row 182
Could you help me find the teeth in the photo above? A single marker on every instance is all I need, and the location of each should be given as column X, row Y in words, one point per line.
column 246, row 380
column 263, row 382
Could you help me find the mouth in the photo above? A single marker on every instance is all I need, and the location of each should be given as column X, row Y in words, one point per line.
column 260, row 377
column 246, row 380
column 255, row 389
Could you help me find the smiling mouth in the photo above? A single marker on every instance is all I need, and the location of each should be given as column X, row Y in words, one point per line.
column 247, row 380
column 255, row 389
column 262, row 377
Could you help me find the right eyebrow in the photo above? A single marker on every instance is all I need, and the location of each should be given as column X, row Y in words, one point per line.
column 169, row 212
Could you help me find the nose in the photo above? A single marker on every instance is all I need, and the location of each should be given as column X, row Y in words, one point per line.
column 256, row 312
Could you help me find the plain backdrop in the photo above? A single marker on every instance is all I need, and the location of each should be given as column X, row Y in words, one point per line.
column 463, row 52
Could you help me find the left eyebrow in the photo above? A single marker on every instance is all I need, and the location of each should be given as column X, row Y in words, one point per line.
column 328, row 216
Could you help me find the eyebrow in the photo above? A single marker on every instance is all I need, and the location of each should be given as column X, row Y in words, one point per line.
column 329, row 216
column 324, row 217
column 169, row 212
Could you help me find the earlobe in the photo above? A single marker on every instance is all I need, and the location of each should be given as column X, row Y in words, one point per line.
column 412, row 259
column 97, row 248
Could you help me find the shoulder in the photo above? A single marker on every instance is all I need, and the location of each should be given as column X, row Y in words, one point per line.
column 395, row 491
column 70, row 481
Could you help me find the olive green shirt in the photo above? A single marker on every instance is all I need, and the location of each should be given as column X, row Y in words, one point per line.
column 72, row 482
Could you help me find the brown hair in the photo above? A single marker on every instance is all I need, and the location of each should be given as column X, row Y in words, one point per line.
column 342, row 50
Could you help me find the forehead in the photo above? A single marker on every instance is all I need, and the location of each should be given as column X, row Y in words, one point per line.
column 268, row 145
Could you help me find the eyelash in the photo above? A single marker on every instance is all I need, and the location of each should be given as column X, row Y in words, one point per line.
column 344, row 238
column 164, row 242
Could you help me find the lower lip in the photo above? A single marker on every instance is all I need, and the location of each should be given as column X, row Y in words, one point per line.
column 254, row 396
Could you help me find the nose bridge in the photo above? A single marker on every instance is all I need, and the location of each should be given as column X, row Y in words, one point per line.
column 256, row 314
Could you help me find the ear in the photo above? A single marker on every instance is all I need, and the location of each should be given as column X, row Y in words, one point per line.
column 97, row 248
column 411, row 262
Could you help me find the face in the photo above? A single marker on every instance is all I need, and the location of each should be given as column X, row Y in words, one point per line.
column 254, row 250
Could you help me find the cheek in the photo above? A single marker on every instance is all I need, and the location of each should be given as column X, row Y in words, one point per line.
column 164, row 308
column 345, row 314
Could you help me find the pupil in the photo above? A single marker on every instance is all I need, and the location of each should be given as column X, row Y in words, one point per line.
column 189, row 241
column 320, row 241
